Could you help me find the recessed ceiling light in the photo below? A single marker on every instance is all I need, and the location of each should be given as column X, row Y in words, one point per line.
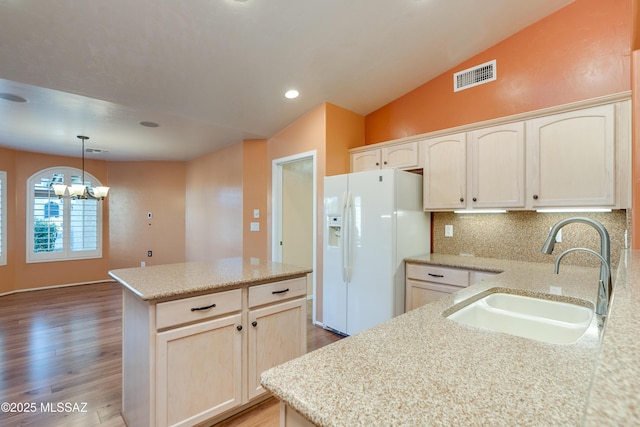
column 11, row 97
column 149, row 124
column 291, row 94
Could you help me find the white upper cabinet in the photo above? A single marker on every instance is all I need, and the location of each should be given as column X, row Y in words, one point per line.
column 572, row 158
column 576, row 155
column 497, row 167
column 365, row 160
column 398, row 156
column 445, row 172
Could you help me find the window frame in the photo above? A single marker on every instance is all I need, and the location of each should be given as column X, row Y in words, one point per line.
column 3, row 218
column 66, row 254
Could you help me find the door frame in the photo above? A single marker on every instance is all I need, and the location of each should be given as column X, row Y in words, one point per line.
column 276, row 203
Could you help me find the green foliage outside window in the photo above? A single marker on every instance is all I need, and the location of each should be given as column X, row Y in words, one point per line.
column 45, row 235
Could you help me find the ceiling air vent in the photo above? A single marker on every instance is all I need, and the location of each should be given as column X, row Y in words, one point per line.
column 474, row 76
column 96, row 150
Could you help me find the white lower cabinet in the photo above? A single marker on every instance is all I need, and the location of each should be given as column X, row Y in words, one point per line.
column 277, row 333
column 197, row 360
column 277, row 329
column 427, row 283
column 199, row 371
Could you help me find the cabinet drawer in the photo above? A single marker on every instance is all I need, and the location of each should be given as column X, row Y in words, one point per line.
column 194, row 309
column 277, row 291
column 444, row 275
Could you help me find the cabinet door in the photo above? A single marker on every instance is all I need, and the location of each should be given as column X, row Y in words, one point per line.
column 572, row 158
column 365, row 160
column 421, row 293
column 400, row 156
column 445, row 167
column 198, row 371
column 277, row 334
column 497, row 167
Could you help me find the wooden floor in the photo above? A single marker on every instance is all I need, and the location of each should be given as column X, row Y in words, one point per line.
column 60, row 359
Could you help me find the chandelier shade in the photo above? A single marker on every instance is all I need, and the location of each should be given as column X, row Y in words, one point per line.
column 81, row 191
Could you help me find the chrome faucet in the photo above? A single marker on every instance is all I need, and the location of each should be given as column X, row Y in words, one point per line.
column 604, row 287
column 602, row 303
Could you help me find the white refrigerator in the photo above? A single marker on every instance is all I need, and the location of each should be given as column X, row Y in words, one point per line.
column 372, row 221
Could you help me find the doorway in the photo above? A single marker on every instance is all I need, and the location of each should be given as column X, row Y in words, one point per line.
column 294, row 215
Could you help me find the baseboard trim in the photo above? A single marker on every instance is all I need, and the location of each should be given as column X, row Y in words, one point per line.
column 17, row 291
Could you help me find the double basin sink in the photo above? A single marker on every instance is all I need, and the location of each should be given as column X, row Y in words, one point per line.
column 535, row 317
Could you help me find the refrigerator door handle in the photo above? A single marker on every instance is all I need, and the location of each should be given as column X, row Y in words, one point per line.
column 343, row 238
column 350, row 240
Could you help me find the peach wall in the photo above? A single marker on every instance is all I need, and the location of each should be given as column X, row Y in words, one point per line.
column 635, row 25
column 305, row 134
column 579, row 52
column 345, row 130
column 214, row 205
column 635, row 150
column 255, row 176
column 7, row 272
column 331, row 131
column 22, row 275
column 136, row 189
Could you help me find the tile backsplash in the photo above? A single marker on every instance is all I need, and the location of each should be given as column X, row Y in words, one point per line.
column 519, row 235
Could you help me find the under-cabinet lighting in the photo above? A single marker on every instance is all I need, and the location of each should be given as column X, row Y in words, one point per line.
column 573, row 210
column 480, row 211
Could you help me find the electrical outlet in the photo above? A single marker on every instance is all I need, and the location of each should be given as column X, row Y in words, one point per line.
column 448, row 231
column 149, row 254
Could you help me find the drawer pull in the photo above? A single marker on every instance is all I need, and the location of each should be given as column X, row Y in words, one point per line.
column 203, row 308
column 436, row 275
column 239, row 327
column 280, row 292
column 254, row 323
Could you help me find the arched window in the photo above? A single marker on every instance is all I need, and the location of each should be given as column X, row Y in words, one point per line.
column 62, row 229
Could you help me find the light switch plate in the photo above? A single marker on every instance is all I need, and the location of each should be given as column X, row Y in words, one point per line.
column 256, row 213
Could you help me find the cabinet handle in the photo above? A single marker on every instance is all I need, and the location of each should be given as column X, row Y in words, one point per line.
column 436, row 275
column 385, row 162
column 377, row 163
column 254, row 323
column 239, row 327
column 461, row 199
column 203, row 308
column 475, row 199
column 280, row 292
column 535, row 197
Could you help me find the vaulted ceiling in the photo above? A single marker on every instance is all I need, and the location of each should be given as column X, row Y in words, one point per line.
column 214, row 72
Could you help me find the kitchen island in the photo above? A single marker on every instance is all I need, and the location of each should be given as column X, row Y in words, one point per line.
column 196, row 336
column 422, row 369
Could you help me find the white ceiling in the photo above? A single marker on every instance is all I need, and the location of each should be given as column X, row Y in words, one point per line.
column 213, row 72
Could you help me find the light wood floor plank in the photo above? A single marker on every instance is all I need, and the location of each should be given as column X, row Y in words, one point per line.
column 65, row 346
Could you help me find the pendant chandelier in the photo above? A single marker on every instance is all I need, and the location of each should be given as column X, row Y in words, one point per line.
column 80, row 191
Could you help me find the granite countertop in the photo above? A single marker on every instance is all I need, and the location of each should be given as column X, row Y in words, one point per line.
column 423, row 369
column 173, row 281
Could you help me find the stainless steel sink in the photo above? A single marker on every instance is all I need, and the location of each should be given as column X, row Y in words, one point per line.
column 537, row 318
